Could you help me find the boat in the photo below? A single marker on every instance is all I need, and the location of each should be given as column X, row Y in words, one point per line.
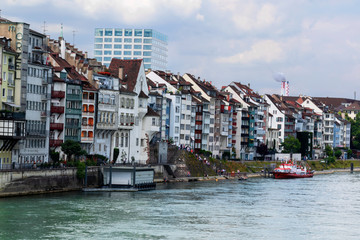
column 290, row 169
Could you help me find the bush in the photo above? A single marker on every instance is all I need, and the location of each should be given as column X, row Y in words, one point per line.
column 330, row 160
column 80, row 174
column 338, row 153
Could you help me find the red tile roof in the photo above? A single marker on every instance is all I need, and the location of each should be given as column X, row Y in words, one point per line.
column 131, row 70
column 151, row 113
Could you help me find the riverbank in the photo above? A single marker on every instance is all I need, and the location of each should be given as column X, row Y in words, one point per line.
column 249, row 175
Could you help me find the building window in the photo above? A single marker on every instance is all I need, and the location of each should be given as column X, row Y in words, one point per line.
column 117, row 52
column 108, row 39
column 147, row 33
column 127, row 52
column 138, row 32
column 127, row 46
column 108, row 46
column 118, row 32
column 128, row 40
column 147, row 47
column 137, row 40
column 99, row 32
column 107, row 52
column 108, row 32
column 96, row 52
column 98, row 40
column 147, row 53
column 128, row 32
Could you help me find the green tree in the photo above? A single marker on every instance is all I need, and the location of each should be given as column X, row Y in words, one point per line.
column 355, row 131
column 349, row 153
column 291, row 145
column 328, row 151
column 262, row 149
column 72, row 148
column 337, row 153
column 116, row 154
column 55, row 156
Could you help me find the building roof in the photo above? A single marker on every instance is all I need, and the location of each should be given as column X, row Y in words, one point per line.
column 131, row 70
column 143, row 95
column 355, row 106
column 151, row 113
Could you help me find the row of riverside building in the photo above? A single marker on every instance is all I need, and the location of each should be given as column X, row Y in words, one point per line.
column 52, row 92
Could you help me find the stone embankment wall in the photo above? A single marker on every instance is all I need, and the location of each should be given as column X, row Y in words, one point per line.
column 25, row 182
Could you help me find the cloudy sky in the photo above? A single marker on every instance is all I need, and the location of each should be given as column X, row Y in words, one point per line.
column 315, row 43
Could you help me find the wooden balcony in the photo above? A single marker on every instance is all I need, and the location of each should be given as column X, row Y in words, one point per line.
column 56, row 142
column 56, row 126
column 57, row 109
column 57, row 94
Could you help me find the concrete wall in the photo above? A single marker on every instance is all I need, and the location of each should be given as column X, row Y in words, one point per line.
column 25, row 182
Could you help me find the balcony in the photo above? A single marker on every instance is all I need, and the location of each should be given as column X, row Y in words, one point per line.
column 10, row 99
column 74, row 97
column 87, row 139
column 56, row 126
column 57, row 94
column 57, row 109
column 11, row 66
column 73, row 111
column 55, row 142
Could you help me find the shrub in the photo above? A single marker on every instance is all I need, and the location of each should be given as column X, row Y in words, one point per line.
column 80, row 173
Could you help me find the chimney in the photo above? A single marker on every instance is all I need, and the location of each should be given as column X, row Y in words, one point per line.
column 121, row 73
column 249, row 85
column 62, row 48
column 178, row 76
column 86, row 54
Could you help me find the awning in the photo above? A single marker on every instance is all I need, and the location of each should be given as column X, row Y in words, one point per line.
column 12, row 104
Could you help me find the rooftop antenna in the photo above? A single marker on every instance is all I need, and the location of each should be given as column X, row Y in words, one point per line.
column 74, row 37
column 44, row 28
column 62, row 33
column 0, row 13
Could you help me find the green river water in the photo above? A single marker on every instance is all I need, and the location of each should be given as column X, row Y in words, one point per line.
column 323, row 207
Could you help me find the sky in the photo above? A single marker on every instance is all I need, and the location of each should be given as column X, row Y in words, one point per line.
column 314, row 43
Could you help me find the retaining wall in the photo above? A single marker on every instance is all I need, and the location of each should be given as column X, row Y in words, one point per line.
column 25, row 182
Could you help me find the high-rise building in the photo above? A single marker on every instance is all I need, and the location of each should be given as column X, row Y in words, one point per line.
column 126, row 44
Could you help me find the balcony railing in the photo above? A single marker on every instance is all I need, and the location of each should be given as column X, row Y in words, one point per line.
column 10, row 98
column 55, row 142
column 57, row 94
column 57, row 109
column 56, row 126
column 11, row 66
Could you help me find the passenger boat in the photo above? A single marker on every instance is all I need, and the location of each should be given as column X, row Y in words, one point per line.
column 292, row 169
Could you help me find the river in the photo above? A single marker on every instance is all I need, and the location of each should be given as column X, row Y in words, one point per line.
column 323, row 207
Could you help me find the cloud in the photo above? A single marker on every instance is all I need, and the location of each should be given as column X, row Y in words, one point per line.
column 248, row 16
column 264, row 51
column 25, row 3
column 199, row 17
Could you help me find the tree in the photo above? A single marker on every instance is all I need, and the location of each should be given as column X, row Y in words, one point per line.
column 72, row 148
column 349, row 153
column 338, row 153
column 262, row 150
column 55, row 156
column 291, row 145
column 116, row 154
column 328, row 151
column 355, row 131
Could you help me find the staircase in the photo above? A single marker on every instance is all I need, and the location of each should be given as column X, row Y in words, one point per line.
column 169, row 171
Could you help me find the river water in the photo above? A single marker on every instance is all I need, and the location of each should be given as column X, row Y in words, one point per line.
column 323, row 207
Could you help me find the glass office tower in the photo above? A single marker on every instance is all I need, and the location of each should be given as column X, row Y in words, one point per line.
column 125, row 44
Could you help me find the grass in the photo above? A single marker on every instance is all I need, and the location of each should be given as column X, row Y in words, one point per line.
column 199, row 169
